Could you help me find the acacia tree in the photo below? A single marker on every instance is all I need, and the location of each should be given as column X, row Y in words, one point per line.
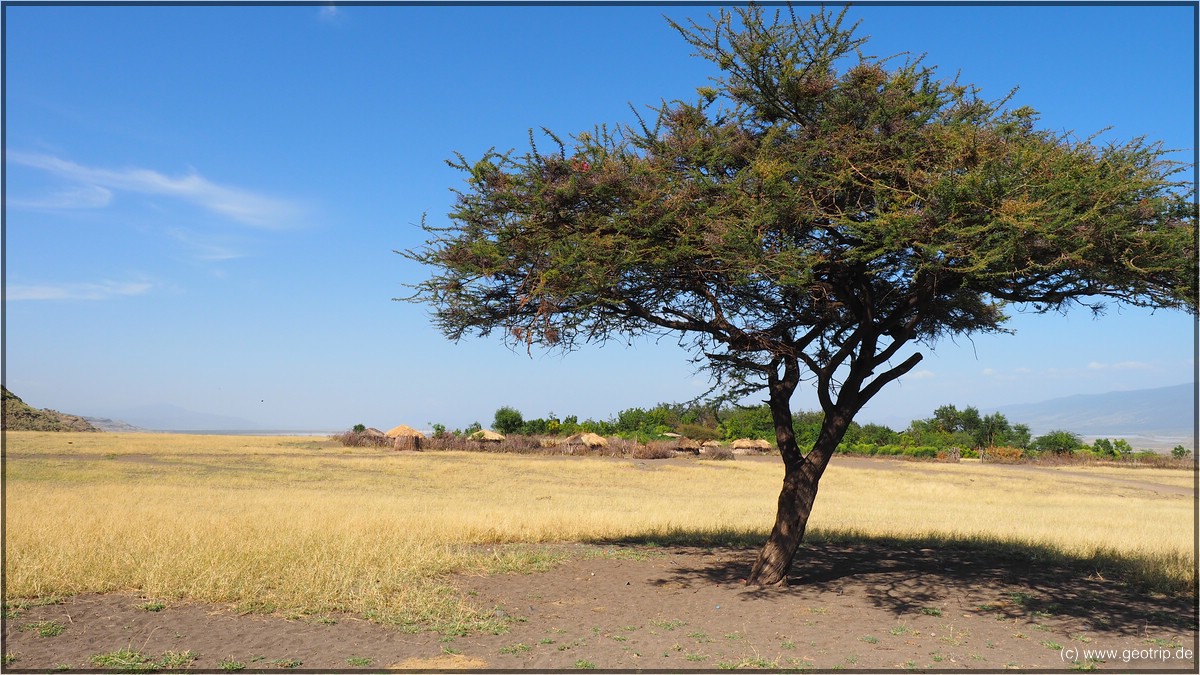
column 816, row 214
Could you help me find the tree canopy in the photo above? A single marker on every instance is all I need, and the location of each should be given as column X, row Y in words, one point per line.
column 815, row 213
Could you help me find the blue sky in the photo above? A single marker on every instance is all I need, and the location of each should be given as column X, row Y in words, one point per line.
column 202, row 203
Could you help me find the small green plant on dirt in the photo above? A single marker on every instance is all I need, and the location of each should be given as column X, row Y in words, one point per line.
column 125, row 660
column 953, row 637
column 231, row 665
column 788, row 644
column 734, row 636
column 152, row 606
column 869, row 639
column 931, row 611
column 668, row 624
column 1019, row 598
column 545, row 641
column 1080, row 637
column 937, row 657
column 619, row 638
column 45, row 628
column 451, row 650
column 173, row 659
column 9, row 659
column 1051, row 644
column 748, row 662
column 585, row 665
column 359, row 661
column 900, row 629
column 696, row 657
column 515, row 649
column 130, row 661
column 287, row 663
column 630, row 629
column 1166, row 644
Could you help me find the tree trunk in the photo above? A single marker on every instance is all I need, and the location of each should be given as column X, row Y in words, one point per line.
column 800, row 482
column 795, row 505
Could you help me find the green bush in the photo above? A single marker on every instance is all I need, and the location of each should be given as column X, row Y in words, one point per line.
column 507, row 420
column 1059, row 442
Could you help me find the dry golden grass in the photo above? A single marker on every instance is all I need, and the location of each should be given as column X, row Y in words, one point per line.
column 302, row 526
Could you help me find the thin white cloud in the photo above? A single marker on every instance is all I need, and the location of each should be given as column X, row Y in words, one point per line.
column 203, row 250
column 921, row 375
column 1119, row 365
column 241, row 205
column 103, row 290
column 80, row 197
column 328, row 13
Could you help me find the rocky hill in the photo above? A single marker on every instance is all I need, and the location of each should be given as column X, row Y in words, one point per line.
column 20, row 416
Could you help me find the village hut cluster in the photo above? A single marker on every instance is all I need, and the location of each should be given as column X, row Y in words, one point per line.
column 404, row 437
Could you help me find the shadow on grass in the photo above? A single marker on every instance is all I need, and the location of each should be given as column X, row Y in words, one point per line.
column 1008, row 579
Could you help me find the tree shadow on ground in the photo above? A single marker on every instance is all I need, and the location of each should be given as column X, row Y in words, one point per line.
column 1004, row 579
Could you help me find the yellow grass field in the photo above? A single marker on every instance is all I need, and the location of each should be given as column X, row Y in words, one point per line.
column 303, row 526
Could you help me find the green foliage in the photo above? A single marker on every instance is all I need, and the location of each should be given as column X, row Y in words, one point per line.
column 1180, row 452
column 747, row 422
column 698, row 432
column 359, row 428
column 1058, row 442
column 507, row 420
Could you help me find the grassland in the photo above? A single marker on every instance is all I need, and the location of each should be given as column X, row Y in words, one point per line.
column 301, row 526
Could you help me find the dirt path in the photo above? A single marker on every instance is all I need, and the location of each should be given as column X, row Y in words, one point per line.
column 628, row 608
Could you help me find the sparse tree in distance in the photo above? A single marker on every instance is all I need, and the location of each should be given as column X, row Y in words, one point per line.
column 1058, row 442
column 817, row 215
column 507, row 420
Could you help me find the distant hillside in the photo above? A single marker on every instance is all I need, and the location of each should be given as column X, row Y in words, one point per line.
column 106, row 424
column 1167, row 412
column 166, row 417
column 20, row 416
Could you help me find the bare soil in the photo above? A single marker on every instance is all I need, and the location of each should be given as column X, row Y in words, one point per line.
column 637, row 607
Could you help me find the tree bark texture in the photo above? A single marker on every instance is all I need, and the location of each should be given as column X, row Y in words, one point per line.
column 796, row 499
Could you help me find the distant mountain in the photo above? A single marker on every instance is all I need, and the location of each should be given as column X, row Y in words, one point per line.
column 163, row 417
column 20, row 416
column 1163, row 412
column 107, row 424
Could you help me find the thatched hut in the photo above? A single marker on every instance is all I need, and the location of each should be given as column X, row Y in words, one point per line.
column 750, row 445
column 406, row 437
column 687, row 445
column 486, row 436
column 589, row 439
